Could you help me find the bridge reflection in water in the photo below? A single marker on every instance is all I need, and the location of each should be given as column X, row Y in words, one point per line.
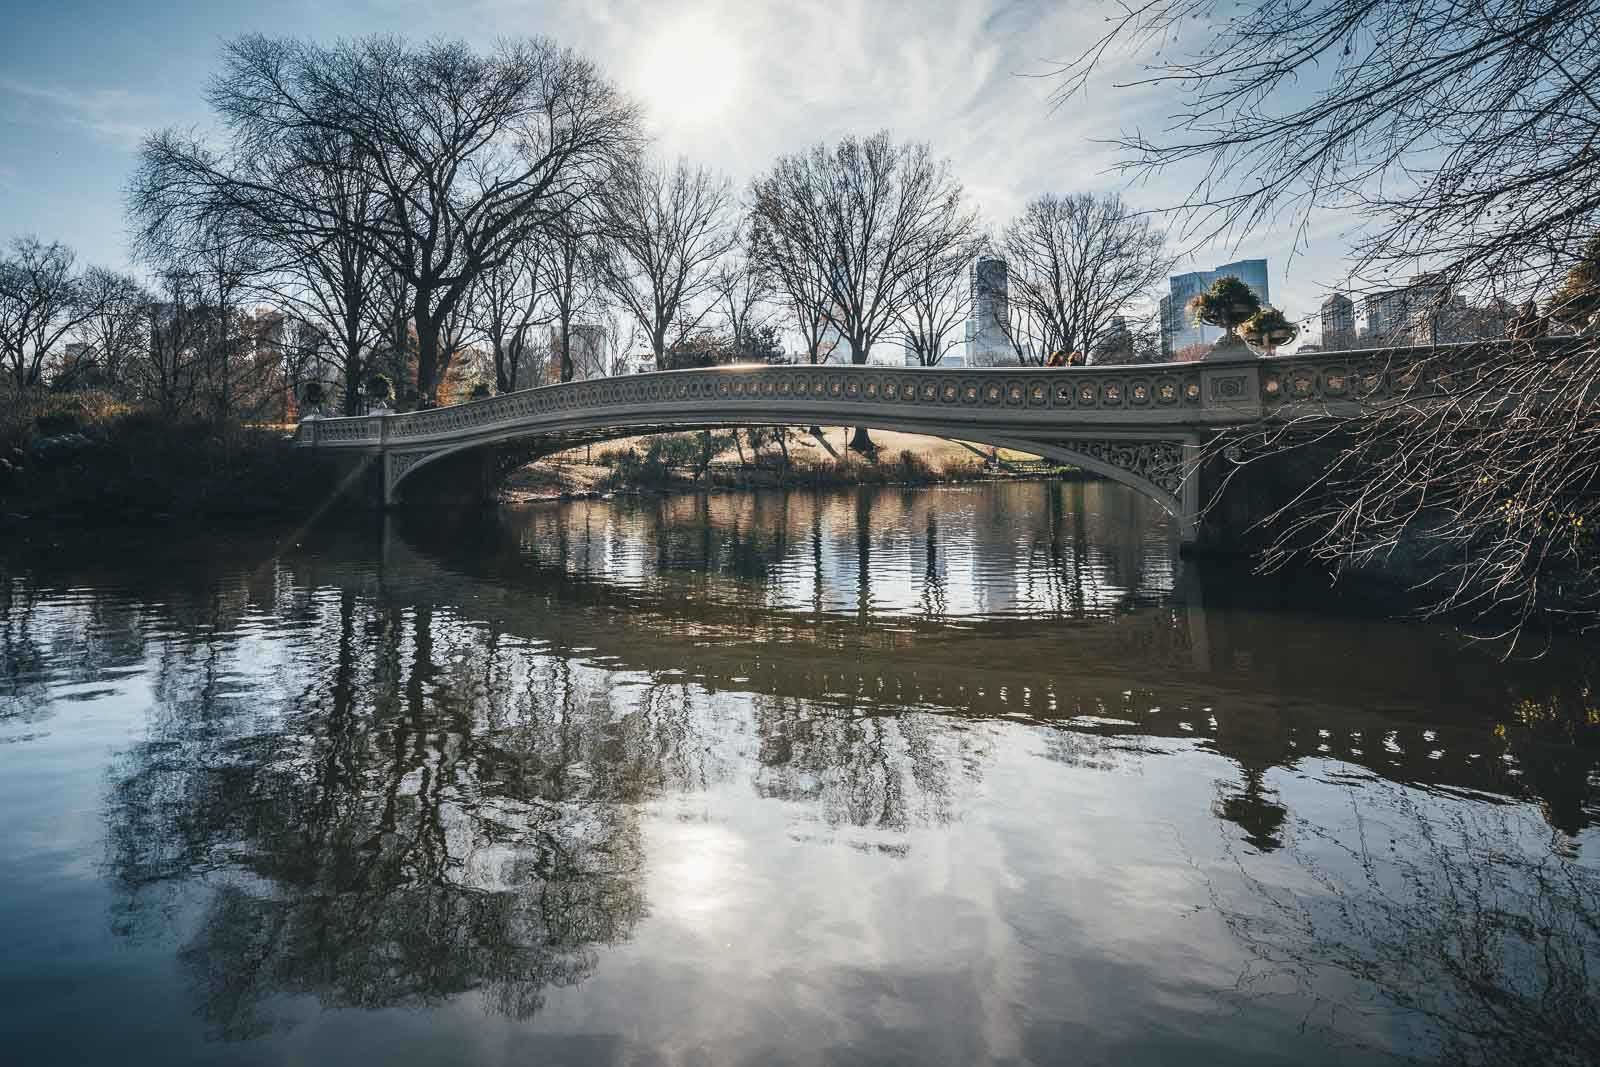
column 598, row 766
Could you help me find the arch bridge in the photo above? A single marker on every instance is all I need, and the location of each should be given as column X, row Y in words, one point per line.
column 1145, row 426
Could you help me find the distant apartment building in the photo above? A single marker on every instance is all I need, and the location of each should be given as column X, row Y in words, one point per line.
column 1385, row 316
column 1338, row 322
column 987, row 342
column 1178, row 328
column 1427, row 312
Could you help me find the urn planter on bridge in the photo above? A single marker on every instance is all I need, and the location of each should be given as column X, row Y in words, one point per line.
column 1269, row 328
column 1228, row 304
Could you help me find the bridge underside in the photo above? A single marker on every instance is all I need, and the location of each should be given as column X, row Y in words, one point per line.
column 1154, row 463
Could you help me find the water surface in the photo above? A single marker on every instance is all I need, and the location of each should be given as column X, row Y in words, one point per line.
column 940, row 776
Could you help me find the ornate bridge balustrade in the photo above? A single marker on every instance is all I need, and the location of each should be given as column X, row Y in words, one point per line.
column 1142, row 425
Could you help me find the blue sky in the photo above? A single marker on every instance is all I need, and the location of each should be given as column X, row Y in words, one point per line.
column 729, row 84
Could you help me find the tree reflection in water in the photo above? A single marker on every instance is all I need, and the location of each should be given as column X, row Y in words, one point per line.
column 393, row 774
column 386, row 836
column 1472, row 921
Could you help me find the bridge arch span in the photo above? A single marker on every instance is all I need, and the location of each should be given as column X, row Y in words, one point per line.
column 1152, row 465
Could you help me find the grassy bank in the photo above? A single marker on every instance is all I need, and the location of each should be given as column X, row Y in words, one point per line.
column 687, row 462
column 88, row 459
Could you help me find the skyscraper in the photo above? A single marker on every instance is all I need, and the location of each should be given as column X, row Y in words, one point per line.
column 987, row 343
column 1338, row 322
column 1178, row 329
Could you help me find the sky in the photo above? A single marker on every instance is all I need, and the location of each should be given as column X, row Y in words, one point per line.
column 730, row 85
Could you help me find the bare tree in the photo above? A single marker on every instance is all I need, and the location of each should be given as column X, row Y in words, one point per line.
column 458, row 339
column 218, row 254
column 117, row 327
column 1463, row 137
column 468, row 153
column 667, row 230
column 620, row 337
column 395, row 353
column 570, row 271
column 41, row 304
column 800, row 291
column 860, row 219
column 507, row 306
column 1073, row 265
column 167, row 373
column 938, row 298
column 333, row 272
column 1460, row 140
column 302, row 351
column 744, row 293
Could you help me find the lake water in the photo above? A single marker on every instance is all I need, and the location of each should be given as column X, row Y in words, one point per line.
column 955, row 775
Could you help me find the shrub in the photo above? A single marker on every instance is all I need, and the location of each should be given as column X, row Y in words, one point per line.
column 1227, row 304
column 1269, row 328
column 380, row 389
column 913, row 468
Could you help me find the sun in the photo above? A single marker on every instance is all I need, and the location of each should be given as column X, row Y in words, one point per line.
column 689, row 72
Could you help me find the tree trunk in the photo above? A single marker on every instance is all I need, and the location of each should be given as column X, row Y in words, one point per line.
column 502, row 380
column 352, row 374
column 861, row 442
column 427, row 362
column 566, row 349
column 658, row 344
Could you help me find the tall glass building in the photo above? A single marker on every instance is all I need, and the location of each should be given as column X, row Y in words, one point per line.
column 1178, row 328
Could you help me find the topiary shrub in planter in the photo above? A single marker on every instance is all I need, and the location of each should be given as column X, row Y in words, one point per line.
column 1269, row 328
column 1228, row 304
column 312, row 397
column 380, row 390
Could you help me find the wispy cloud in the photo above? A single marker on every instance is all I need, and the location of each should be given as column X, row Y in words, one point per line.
column 951, row 73
column 119, row 117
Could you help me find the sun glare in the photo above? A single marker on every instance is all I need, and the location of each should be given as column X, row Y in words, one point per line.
column 689, row 72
